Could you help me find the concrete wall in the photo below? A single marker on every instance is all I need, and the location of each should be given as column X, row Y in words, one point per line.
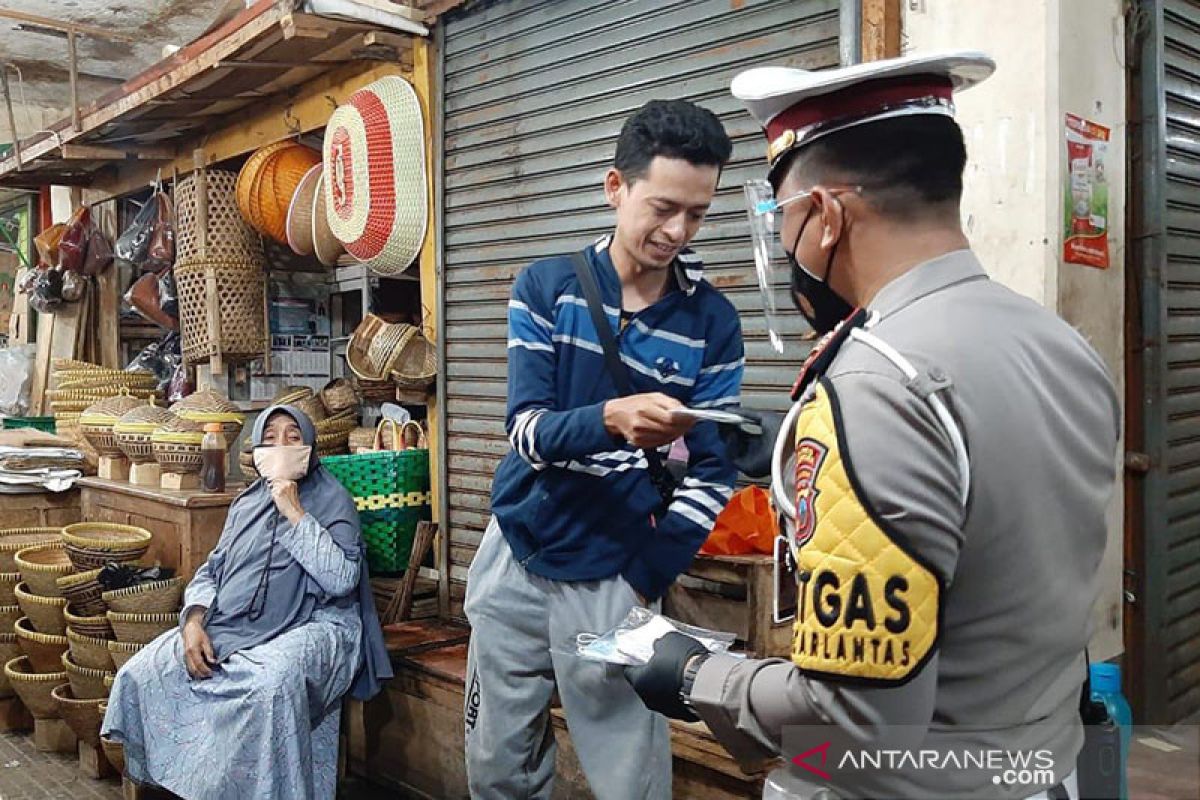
column 1054, row 57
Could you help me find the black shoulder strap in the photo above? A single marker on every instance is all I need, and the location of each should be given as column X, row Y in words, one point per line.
column 608, row 343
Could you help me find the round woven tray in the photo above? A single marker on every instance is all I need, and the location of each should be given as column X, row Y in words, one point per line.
column 34, row 688
column 157, row 597
column 121, row 652
column 8, row 586
column 88, row 651
column 86, row 683
column 141, row 628
column 229, row 237
column 14, row 539
column 82, row 716
column 83, row 590
column 43, row 649
column 9, row 649
column 41, row 565
column 94, row 625
column 240, row 287
column 44, row 613
column 91, row 545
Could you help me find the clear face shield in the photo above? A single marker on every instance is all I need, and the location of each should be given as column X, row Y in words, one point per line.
column 771, row 267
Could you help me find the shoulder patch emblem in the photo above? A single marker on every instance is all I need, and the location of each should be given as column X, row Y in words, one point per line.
column 810, row 457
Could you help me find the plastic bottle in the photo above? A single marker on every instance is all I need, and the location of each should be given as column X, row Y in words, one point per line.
column 1106, row 689
column 213, row 451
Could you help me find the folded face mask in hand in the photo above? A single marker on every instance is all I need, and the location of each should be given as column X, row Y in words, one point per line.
column 632, row 642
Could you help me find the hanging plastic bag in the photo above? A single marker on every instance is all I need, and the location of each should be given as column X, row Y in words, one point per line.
column 168, row 294
column 99, row 252
column 73, row 247
column 73, row 287
column 47, row 242
column 180, row 386
column 47, row 292
column 160, row 250
column 143, row 297
column 746, row 525
column 631, row 642
column 16, row 372
column 133, row 245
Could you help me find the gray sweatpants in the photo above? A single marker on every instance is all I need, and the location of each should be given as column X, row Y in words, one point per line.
column 516, row 617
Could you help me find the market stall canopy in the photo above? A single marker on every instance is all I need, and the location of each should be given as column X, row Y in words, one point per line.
column 260, row 55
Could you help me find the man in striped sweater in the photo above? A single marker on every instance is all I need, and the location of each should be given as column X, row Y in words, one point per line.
column 580, row 533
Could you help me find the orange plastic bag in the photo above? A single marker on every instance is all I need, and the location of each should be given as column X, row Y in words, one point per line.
column 747, row 525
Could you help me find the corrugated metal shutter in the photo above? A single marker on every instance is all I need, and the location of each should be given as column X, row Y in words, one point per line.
column 534, row 96
column 1166, row 184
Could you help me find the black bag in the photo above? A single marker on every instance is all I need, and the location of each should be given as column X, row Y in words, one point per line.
column 664, row 480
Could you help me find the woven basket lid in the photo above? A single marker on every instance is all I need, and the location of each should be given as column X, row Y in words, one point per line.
column 250, row 172
column 143, row 419
column 178, row 431
column 207, row 405
column 299, row 215
column 289, row 166
column 109, row 410
column 326, row 246
column 375, row 193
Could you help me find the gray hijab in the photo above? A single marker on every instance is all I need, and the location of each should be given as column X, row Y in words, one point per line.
column 263, row 592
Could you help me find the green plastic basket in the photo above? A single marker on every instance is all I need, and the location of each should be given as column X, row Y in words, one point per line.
column 45, row 424
column 391, row 491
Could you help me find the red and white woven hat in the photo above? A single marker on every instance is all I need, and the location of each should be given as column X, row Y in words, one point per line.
column 375, row 194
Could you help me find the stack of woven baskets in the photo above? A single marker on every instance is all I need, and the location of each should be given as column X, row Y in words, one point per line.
column 233, row 251
column 65, row 631
column 267, row 183
column 176, row 442
column 76, row 386
column 387, row 353
column 333, row 411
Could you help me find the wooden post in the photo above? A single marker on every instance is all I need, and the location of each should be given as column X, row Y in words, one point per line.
column 880, row 29
column 53, row 736
column 76, row 124
column 211, row 297
column 93, row 763
column 12, row 119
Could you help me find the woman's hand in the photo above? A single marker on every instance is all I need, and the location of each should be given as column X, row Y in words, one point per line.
column 287, row 499
column 197, row 647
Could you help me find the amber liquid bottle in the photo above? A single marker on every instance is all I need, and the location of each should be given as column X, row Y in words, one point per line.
column 213, row 452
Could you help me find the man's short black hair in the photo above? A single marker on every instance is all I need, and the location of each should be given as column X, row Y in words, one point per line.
column 909, row 167
column 672, row 129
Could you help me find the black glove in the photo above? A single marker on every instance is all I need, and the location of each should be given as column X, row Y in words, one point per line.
column 658, row 681
column 751, row 453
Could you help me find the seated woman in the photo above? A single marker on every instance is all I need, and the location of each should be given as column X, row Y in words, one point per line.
column 243, row 700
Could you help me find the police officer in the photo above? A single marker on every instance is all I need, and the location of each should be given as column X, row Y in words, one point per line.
column 945, row 471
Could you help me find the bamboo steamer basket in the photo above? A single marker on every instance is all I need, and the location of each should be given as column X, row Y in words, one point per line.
column 240, row 286
column 89, row 651
column 91, row 545
column 82, row 716
column 10, row 648
column 133, row 431
column 14, row 539
column 34, row 688
column 86, row 683
column 46, row 614
column 156, row 597
column 44, row 650
column 177, row 446
column 97, row 421
column 41, row 565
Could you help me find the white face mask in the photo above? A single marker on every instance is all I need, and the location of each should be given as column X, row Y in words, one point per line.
column 282, row 462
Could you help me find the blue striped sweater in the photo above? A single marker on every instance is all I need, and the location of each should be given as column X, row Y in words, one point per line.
column 573, row 502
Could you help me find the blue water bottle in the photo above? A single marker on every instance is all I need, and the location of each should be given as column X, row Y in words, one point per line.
column 1106, row 689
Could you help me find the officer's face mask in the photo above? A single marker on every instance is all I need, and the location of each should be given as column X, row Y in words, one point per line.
column 826, row 307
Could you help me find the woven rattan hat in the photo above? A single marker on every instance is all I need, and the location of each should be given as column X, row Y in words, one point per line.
column 375, row 192
column 326, row 246
column 299, row 216
column 252, row 172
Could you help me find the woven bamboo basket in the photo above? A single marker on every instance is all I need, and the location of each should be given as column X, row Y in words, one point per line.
column 14, row 539
column 8, row 587
column 97, row 421
column 89, row 396
column 376, row 391
column 41, row 565
column 140, row 380
column 157, row 597
column 133, row 431
column 9, row 649
column 341, row 422
column 229, row 237
column 312, row 408
column 290, row 395
column 9, row 616
column 120, row 652
column 91, row 545
column 34, row 688
column 83, row 591
column 339, row 395
column 364, row 439
column 93, row 625
column 88, row 651
column 207, row 406
column 86, row 683
column 333, row 444
column 376, row 346
column 43, row 649
column 416, row 366
column 113, row 751
column 44, row 613
column 240, row 287
column 249, row 179
column 141, row 628
column 288, row 168
column 177, row 446
column 82, row 716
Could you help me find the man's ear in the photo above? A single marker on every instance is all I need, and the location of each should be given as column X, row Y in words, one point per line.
column 832, row 216
column 615, row 187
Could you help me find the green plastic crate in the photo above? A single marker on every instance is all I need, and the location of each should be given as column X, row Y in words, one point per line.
column 45, row 424
column 391, row 491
